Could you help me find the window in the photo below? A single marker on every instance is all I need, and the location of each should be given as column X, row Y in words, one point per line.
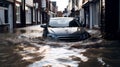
column 28, row 15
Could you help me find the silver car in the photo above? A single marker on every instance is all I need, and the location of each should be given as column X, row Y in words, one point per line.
column 64, row 28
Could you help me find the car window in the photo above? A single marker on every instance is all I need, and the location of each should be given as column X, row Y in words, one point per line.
column 60, row 22
column 74, row 23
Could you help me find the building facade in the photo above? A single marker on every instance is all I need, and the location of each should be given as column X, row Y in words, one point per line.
column 92, row 13
column 6, row 15
column 23, row 13
column 37, row 12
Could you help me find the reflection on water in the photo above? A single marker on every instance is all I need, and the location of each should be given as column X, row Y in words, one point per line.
column 59, row 54
column 60, row 57
column 101, row 61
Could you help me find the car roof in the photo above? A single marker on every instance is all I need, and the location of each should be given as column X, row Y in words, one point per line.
column 62, row 18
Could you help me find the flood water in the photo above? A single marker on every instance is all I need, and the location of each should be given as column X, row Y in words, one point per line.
column 54, row 54
column 59, row 57
column 34, row 51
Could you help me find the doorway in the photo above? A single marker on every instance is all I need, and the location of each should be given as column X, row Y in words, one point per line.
column 10, row 18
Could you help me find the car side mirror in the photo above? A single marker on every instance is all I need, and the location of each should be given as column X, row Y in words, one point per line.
column 44, row 26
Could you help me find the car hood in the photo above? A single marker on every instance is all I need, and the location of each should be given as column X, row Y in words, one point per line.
column 64, row 31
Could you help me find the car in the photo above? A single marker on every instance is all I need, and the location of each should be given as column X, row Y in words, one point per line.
column 64, row 28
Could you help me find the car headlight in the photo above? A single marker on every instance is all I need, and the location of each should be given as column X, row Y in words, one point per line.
column 53, row 36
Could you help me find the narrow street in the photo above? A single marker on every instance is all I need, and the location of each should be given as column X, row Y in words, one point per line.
column 27, row 48
column 59, row 33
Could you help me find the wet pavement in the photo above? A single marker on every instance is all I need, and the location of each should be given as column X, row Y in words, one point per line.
column 26, row 48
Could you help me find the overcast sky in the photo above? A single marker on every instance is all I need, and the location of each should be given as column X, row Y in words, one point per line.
column 61, row 4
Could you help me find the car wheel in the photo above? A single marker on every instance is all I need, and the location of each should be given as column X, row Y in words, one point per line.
column 49, row 37
column 84, row 36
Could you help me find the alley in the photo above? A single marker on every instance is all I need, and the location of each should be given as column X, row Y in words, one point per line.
column 27, row 48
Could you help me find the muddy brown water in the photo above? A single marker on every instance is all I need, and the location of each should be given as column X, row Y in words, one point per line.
column 28, row 49
column 62, row 54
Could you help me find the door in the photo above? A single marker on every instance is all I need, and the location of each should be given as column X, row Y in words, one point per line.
column 10, row 17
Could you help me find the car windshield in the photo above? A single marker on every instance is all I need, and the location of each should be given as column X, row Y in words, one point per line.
column 60, row 22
